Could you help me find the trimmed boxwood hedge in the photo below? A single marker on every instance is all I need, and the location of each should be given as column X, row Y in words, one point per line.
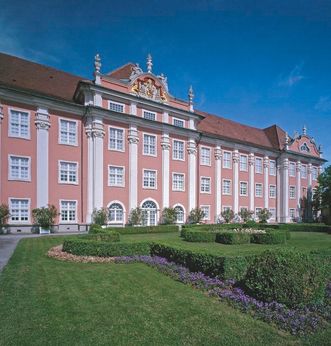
column 109, row 236
column 270, row 237
column 233, row 238
column 134, row 230
column 83, row 247
column 199, row 236
column 226, row 267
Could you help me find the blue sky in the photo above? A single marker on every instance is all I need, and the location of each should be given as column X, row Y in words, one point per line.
column 256, row 62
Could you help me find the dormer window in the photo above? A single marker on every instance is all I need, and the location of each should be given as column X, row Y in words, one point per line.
column 304, row 147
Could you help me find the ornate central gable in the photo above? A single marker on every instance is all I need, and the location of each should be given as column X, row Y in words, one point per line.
column 148, row 87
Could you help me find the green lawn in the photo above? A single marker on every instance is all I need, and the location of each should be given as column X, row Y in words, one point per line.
column 47, row 302
column 306, row 241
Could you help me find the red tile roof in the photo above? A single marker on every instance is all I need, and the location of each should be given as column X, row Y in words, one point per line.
column 270, row 137
column 23, row 74
column 122, row 72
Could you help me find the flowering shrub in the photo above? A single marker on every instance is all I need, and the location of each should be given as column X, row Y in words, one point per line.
column 249, row 231
column 300, row 321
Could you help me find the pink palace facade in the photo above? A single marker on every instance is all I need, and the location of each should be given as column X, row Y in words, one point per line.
column 122, row 141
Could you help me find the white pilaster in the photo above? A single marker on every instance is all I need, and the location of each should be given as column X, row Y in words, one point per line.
column 98, row 135
column 42, row 124
column 90, row 202
column 235, row 159
column 133, row 108
column 165, row 144
column 251, row 162
column 310, row 191
column 218, row 178
column 1, row 118
column 192, row 177
column 266, row 181
column 165, row 117
column 133, row 166
column 284, row 188
column 278, row 189
column 298, row 187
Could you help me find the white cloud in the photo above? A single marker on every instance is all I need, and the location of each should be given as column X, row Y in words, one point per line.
column 323, row 104
column 293, row 78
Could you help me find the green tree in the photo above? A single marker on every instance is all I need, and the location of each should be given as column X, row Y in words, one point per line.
column 4, row 215
column 264, row 215
column 45, row 216
column 100, row 216
column 169, row 216
column 135, row 217
column 246, row 215
column 196, row 215
column 322, row 194
column 227, row 215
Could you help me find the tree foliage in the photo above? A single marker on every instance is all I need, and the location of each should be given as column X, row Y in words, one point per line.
column 264, row 215
column 322, row 195
column 196, row 215
column 227, row 215
column 45, row 216
column 100, row 216
column 169, row 216
column 135, row 217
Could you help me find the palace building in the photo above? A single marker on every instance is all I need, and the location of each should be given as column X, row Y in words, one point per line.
column 122, row 141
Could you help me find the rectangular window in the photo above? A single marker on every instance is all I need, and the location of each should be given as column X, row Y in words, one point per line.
column 257, row 211
column 178, row 150
column 19, row 125
column 205, row 156
column 258, row 190
column 149, row 115
column 292, row 169
column 68, row 172
column 226, row 187
column 178, row 182
column 178, row 122
column 205, row 184
column 226, row 208
column 273, row 213
column 243, row 163
column 116, row 107
column 292, row 213
column 68, row 211
column 68, row 132
column 243, row 188
column 314, row 173
column 19, row 210
column 272, row 191
column 292, row 192
column 149, row 145
column 116, row 176
column 226, row 159
column 258, row 165
column 206, row 211
column 304, row 171
column 19, row 168
column 116, row 139
column 272, row 167
column 149, row 179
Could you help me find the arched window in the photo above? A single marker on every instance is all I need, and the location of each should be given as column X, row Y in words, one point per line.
column 149, row 213
column 115, row 213
column 179, row 214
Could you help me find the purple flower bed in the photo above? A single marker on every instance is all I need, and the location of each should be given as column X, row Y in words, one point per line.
column 297, row 321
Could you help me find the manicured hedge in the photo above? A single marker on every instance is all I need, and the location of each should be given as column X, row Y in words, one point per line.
column 306, row 227
column 107, row 236
column 226, row 267
column 199, row 236
column 270, row 237
column 233, row 238
column 135, row 230
column 83, row 247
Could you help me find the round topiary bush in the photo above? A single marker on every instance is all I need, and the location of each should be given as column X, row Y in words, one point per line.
column 286, row 276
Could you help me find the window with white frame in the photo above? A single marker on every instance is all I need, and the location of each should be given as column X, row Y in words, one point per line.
column 19, row 125
column 206, row 211
column 292, row 169
column 149, row 213
column 292, row 213
column 68, row 172
column 273, row 213
column 178, row 150
column 292, row 192
column 116, row 107
column 243, row 163
column 116, row 176
column 178, row 182
column 314, row 173
column 179, row 214
column 258, row 165
column 149, row 181
column 272, row 191
column 116, row 139
column 258, row 190
column 226, row 187
column 68, row 132
column 243, row 188
column 272, row 167
column 205, row 156
column 19, row 210
column 304, row 171
column 178, row 122
column 19, row 168
column 149, row 115
column 115, row 213
column 68, row 211
column 205, row 184
column 149, row 145
column 226, row 159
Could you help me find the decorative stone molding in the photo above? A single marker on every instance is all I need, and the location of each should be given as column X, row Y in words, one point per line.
column 42, row 119
column 133, row 137
column 310, row 168
column 251, row 159
column 165, row 142
column 218, row 153
column 190, row 98
column 95, row 130
column 191, row 147
column 235, row 156
column 97, row 69
column 298, row 166
column 285, row 163
column 149, row 63
column 266, row 162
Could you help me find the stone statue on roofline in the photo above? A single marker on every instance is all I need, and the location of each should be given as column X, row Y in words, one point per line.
column 135, row 72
